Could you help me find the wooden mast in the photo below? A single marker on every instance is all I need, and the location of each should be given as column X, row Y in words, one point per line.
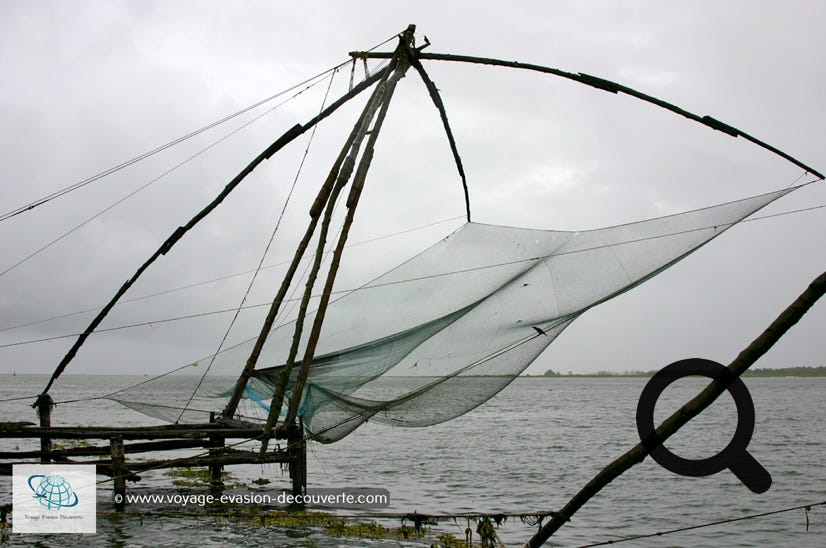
column 352, row 203
column 369, row 123
column 315, row 211
column 605, row 85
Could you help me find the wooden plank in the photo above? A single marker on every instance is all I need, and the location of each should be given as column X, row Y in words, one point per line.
column 104, row 467
column 95, row 432
column 145, row 447
column 14, row 426
column 238, row 457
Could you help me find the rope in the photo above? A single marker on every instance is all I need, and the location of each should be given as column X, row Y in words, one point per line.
column 529, row 518
column 805, row 507
column 404, row 516
column 143, row 156
column 152, row 181
column 264, row 255
column 19, row 398
column 227, row 277
column 420, row 278
column 141, row 383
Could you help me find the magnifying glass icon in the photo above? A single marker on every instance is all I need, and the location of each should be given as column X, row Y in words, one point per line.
column 734, row 456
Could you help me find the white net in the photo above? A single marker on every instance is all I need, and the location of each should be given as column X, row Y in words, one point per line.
column 470, row 313
column 458, row 322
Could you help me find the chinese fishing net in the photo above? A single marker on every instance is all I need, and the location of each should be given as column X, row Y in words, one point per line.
column 458, row 322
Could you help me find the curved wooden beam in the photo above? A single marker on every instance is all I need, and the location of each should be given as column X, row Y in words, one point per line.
column 609, row 86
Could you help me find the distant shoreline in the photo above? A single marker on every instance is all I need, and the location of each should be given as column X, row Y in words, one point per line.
column 780, row 372
column 776, row 373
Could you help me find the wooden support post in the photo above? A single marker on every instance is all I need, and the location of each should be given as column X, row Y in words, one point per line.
column 44, row 406
column 118, row 471
column 321, row 200
column 339, row 176
column 297, row 448
column 216, row 447
column 380, row 111
column 5, row 510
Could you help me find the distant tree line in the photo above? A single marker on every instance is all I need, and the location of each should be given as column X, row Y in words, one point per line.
column 780, row 372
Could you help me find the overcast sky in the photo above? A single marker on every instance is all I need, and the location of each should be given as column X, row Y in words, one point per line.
column 88, row 85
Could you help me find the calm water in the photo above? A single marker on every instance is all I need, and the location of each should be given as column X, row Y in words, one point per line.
column 528, row 449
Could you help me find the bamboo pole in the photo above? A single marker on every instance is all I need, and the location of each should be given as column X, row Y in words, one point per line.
column 789, row 317
column 337, row 178
column 605, row 85
column 352, row 203
column 342, row 178
column 440, row 106
column 321, row 199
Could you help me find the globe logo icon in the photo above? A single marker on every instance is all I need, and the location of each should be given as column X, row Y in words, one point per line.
column 53, row 492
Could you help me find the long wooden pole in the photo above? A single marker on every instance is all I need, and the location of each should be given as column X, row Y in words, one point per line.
column 321, row 199
column 790, row 316
column 352, row 203
column 605, row 85
column 277, row 145
column 342, row 178
column 436, row 97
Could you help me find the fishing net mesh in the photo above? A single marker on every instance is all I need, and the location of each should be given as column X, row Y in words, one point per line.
column 455, row 324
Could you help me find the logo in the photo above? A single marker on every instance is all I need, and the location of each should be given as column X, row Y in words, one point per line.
column 54, row 498
column 53, row 492
column 734, row 456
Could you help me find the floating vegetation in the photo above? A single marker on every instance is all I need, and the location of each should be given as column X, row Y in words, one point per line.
column 446, row 540
column 201, row 478
column 70, row 444
column 329, row 524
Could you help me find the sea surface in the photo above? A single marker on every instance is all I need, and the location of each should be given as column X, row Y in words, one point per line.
column 529, row 449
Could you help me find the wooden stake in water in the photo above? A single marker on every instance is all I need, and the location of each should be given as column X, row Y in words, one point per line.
column 118, row 471
column 44, row 406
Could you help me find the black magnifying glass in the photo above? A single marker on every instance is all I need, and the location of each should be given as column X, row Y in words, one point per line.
column 734, row 456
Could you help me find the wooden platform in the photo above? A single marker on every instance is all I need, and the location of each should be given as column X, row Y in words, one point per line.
column 211, row 438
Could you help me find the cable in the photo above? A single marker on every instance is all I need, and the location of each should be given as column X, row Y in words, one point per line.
column 228, row 276
column 152, row 181
column 263, row 256
column 412, row 516
column 143, row 156
column 426, row 277
column 692, row 527
column 190, row 364
column 114, row 169
column 360, row 243
column 19, row 398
